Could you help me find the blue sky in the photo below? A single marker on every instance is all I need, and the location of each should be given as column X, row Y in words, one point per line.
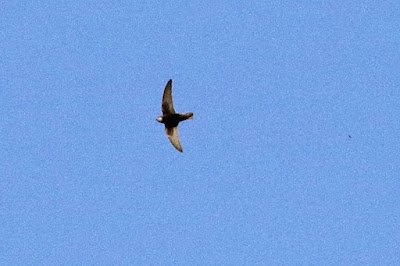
column 292, row 156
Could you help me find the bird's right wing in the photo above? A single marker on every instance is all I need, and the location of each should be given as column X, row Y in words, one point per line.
column 172, row 134
column 167, row 106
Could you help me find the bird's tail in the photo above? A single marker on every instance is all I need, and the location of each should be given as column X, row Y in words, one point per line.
column 186, row 116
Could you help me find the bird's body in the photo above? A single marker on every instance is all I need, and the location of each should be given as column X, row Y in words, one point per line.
column 170, row 118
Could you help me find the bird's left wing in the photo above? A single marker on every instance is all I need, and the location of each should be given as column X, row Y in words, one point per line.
column 172, row 134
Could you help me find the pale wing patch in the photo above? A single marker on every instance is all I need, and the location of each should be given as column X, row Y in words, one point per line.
column 172, row 134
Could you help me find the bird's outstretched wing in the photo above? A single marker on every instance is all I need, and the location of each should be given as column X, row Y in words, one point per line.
column 172, row 134
column 167, row 106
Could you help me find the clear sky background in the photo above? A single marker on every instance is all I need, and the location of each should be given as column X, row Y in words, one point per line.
column 293, row 155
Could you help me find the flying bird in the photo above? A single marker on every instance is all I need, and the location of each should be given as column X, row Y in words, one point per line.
column 170, row 118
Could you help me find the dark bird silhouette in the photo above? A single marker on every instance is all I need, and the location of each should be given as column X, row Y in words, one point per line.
column 170, row 118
